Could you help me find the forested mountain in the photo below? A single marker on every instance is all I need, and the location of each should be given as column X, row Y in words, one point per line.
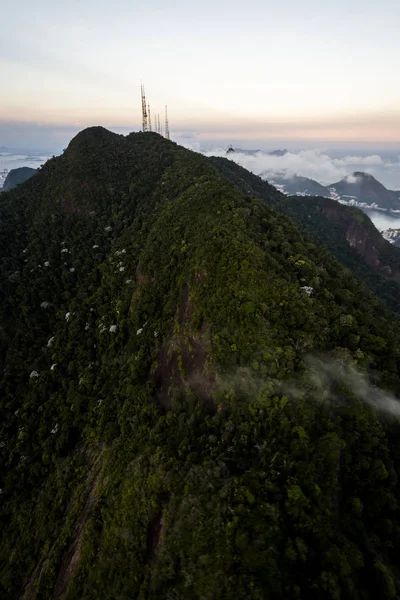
column 17, row 176
column 198, row 400
column 346, row 231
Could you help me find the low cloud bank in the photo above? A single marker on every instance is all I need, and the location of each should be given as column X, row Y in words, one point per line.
column 316, row 164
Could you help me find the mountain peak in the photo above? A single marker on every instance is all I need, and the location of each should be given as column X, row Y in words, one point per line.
column 359, row 175
column 366, row 189
column 92, row 137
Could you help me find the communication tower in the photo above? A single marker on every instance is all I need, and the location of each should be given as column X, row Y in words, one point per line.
column 146, row 117
column 144, row 110
column 166, row 123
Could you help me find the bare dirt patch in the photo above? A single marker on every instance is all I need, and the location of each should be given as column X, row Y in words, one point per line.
column 183, row 358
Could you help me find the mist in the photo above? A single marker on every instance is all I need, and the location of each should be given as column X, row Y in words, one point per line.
column 328, row 374
column 317, row 164
column 383, row 220
column 322, row 379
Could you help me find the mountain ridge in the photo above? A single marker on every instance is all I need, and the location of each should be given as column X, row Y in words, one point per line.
column 166, row 434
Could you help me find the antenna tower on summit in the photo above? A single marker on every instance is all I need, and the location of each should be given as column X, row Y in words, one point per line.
column 166, row 123
column 144, row 110
column 146, row 117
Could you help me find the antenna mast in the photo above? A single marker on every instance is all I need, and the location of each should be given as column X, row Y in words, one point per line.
column 166, row 123
column 144, row 110
column 148, row 110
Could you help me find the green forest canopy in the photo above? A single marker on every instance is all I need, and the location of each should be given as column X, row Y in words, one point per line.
column 186, row 391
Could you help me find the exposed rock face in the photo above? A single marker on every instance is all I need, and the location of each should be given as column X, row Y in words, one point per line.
column 359, row 237
column 183, row 358
column 355, row 234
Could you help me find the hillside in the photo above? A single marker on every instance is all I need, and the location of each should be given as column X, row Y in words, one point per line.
column 348, row 232
column 16, row 177
column 197, row 398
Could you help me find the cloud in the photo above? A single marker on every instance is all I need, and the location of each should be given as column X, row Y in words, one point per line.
column 328, row 374
column 367, row 161
column 335, row 381
column 315, row 164
column 352, row 178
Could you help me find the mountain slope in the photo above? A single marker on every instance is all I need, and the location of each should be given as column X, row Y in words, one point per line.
column 346, row 231
column 184, row 391
column 16, row 177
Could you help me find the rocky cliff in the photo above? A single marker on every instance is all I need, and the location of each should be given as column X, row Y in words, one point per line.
column 360, row 233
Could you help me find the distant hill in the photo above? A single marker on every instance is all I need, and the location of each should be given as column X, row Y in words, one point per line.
column 231, row 150
column 358, row 186
column 278, row 152
column 367, row 189
column 250, row 152
column 300, row 185
column 16, row 177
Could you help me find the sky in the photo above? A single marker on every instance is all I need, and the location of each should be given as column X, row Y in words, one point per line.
column 259, row 72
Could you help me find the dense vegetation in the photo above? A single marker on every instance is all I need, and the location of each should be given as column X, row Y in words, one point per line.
column 186, row 392
column 329, row 221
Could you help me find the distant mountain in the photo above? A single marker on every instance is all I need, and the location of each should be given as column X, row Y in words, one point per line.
column 365, row 188
column 278, row 152
column 299, row 185
column 16, row 177
column 250, row 152
column 358, row 186
column 231, row 149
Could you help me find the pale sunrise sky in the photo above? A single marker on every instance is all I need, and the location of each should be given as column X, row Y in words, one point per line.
column 311, row 70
